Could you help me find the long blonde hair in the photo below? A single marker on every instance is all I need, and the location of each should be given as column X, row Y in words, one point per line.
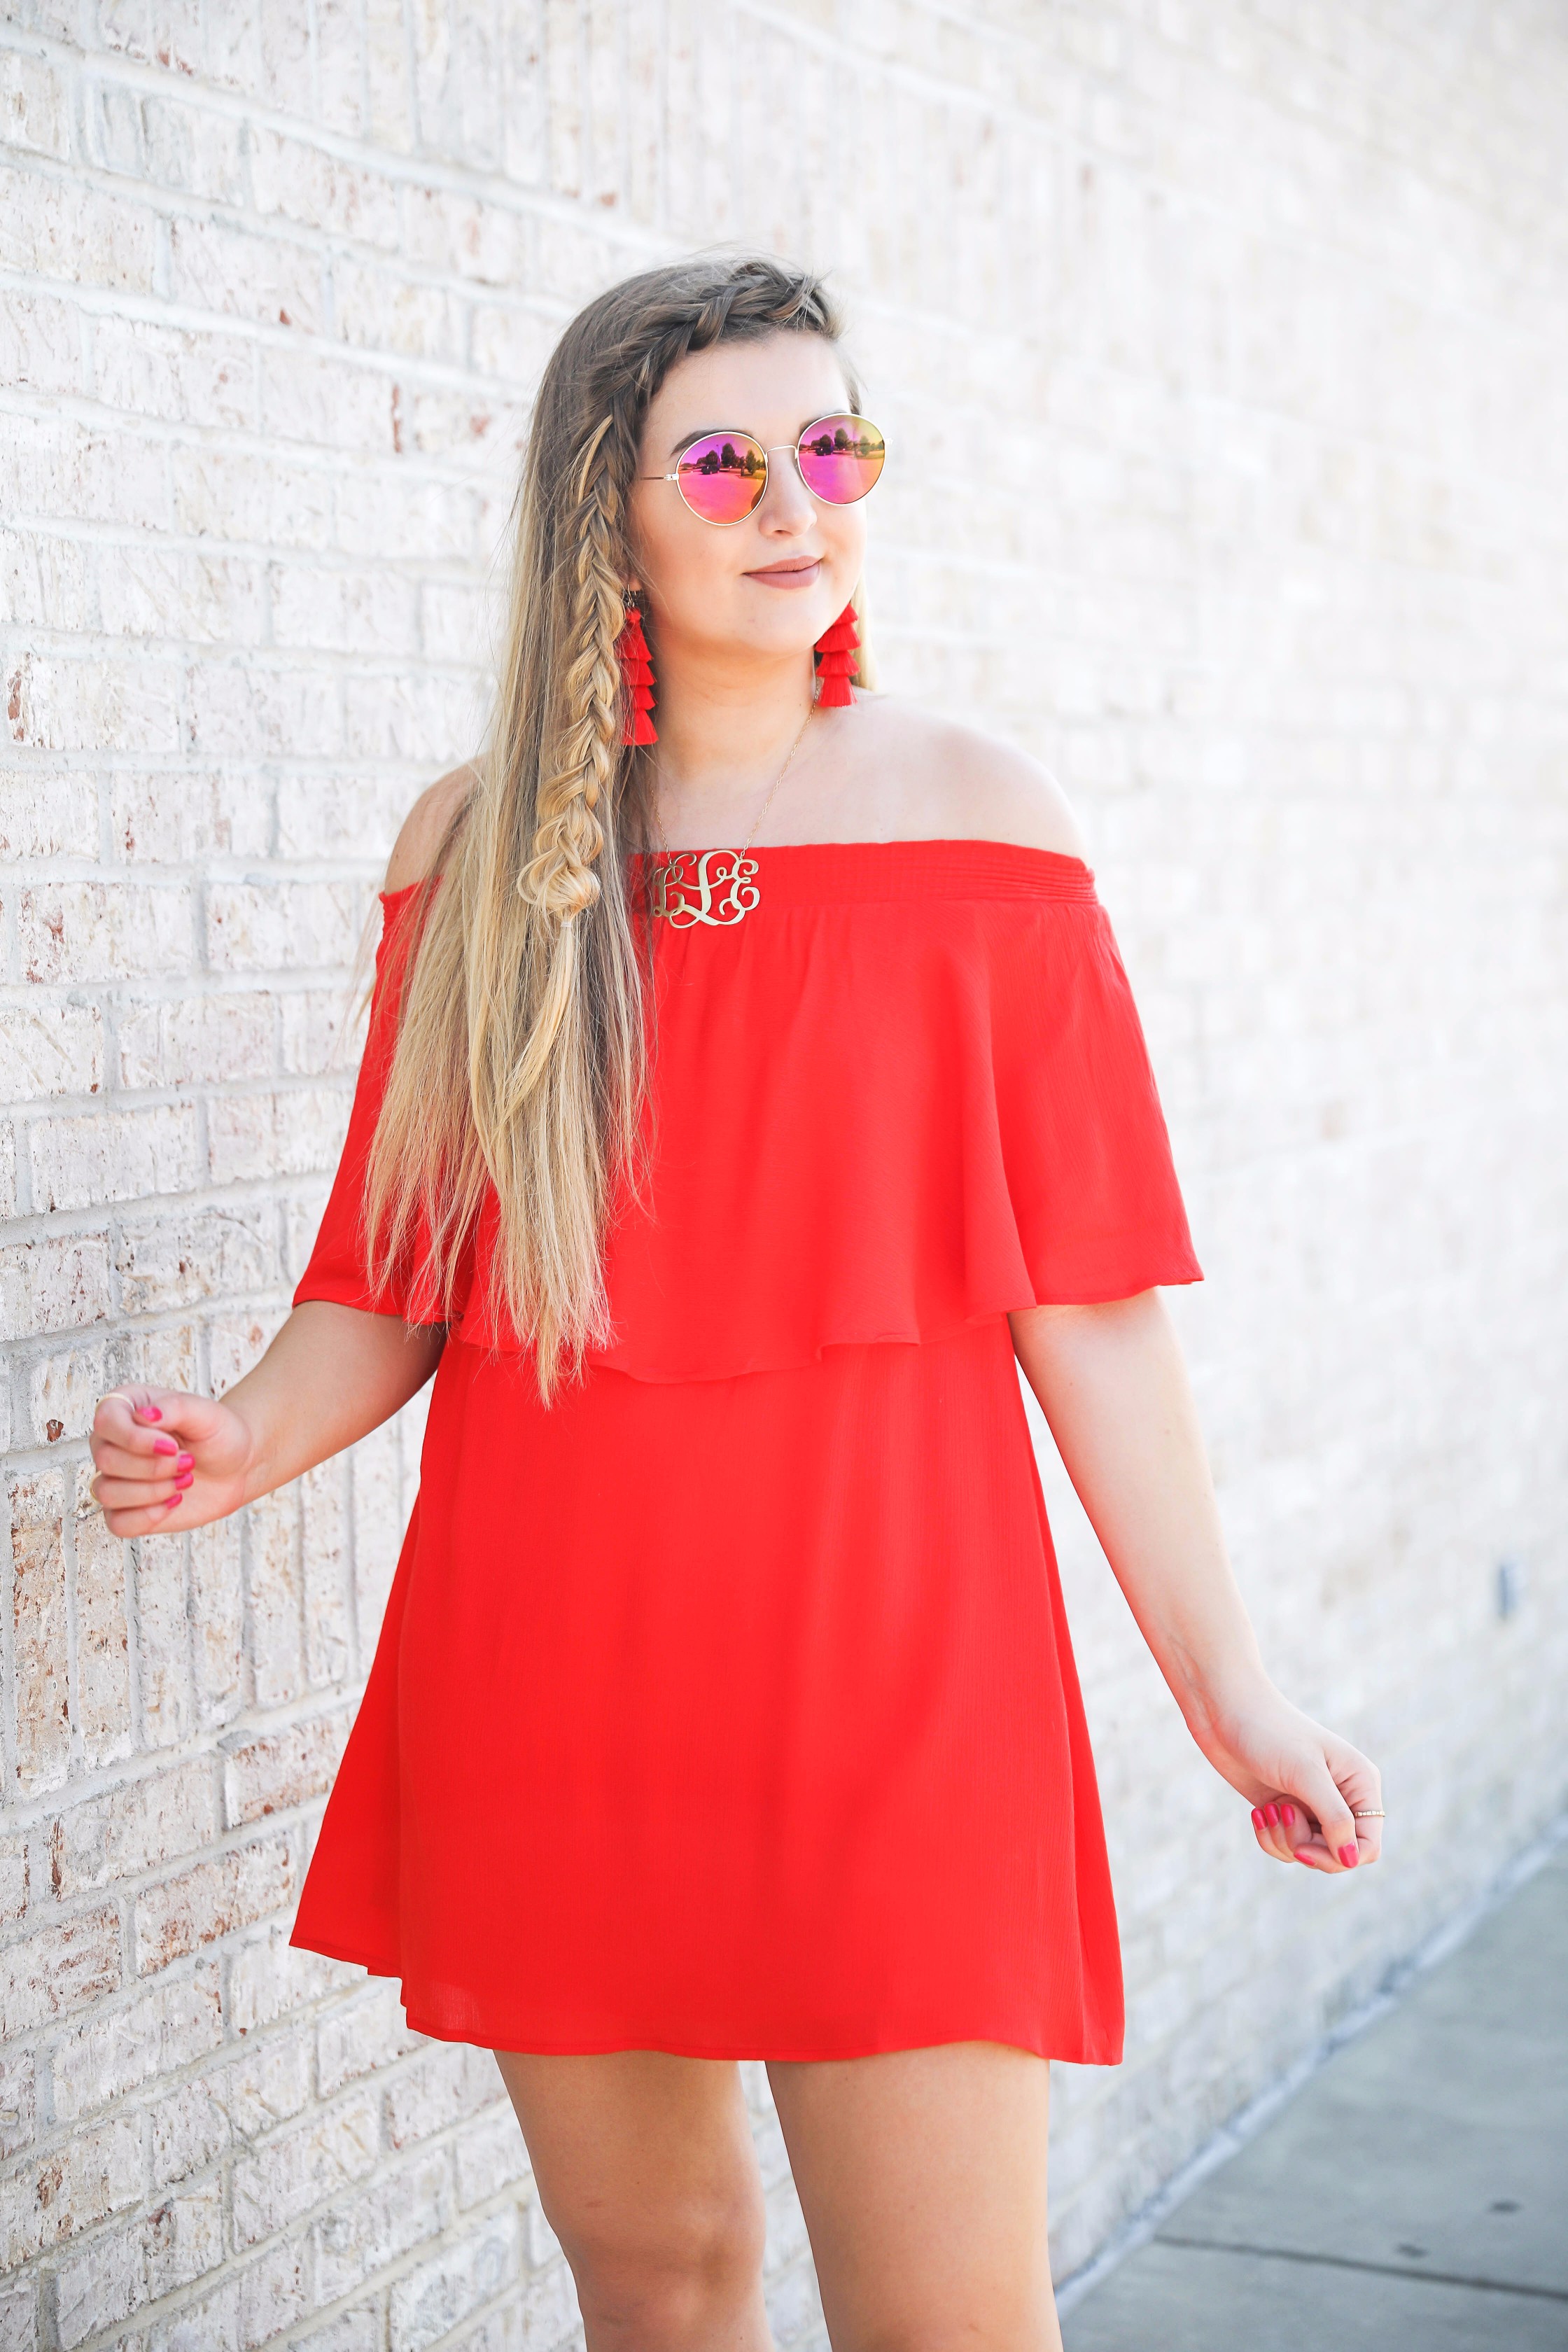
column 523, row 1050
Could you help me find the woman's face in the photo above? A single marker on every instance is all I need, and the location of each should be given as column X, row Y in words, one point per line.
column 716, row 587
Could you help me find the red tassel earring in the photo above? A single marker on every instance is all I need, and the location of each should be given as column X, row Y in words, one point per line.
column 836, row 664
column 637, row 669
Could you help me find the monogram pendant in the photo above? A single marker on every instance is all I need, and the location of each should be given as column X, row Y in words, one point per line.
column 720, row 891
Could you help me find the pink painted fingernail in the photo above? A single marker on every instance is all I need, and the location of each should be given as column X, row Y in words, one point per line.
column 1271, row 1815
column 151, row 1412
column 170, row 1503
column 1257, row 1819
column 166, row 1445
column 1286, row 1814
column 186, row 1478
column 186, row 1462
column 1302, row 1856
column 1348, row 1856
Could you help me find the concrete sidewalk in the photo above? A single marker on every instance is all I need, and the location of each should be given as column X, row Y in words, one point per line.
column 1412, row 2198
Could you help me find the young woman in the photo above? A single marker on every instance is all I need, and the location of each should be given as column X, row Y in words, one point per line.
column 751, row 1085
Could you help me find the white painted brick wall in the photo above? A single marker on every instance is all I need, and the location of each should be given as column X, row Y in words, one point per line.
column 1224, row 346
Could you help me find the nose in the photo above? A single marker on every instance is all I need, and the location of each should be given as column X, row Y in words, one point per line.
column 785, row 505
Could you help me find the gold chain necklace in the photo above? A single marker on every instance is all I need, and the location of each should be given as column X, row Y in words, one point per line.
column 722, row 887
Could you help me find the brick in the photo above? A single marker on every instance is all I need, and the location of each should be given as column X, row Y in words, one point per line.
column 451, row 2084
column 237, row 1342
column 358, row 817
column 289, row 1133
column 13, row 1878
column 155, row 2033
column 361, row 2235
column 105, row 2282
column 39, row 344
column 282, row 926
column 212, row 1898
column 205, row 1254
column 19, row 2316
column 35, row 104
column 313, row 2162
column 187, row 599
column 319, row 1037
column 189, row 1041
column 328, row 404
column 180, row 817
column 56, row 1283
column 217, row 1624
column 39, row 1630
column 18, row 2101
column 443, row 2292
column 50, row 1048
column 79, row 931
column 240, row 708
column 311, row 185
column 267, row 1979
column 488, row 2155
column 162, row 1657
column 344, row 611
column 64, row 231
column 187, row 147
column 283, row 1769
column 59, row 469
column 102, row 1660
column 74, row 706
column 58, row 1968
column 379, row 308
column 95, row 2173
column 60, row 823
column 240, row 496
column 114, row 1156
column 236, row 273
column 359, row 2035
column 272, row 1542
column 63, row 1387
column 325, row 1546
column 272, row 2294
column 135, row 1827
column 176, row 372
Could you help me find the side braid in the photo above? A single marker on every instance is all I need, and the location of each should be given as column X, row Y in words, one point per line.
column 569, row 837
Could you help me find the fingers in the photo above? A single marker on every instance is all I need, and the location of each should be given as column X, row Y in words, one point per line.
column 134, row 1505
column 1331, row 1822
column 1274, row 1823
column 140, row 1473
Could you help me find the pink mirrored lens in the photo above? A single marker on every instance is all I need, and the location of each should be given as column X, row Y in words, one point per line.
column 840, row 459
column 721, row 477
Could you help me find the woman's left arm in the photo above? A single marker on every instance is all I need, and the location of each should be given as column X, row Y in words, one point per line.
column 1113, row 1386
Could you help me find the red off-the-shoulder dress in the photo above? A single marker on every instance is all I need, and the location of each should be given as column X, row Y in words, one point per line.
column 727, row 1706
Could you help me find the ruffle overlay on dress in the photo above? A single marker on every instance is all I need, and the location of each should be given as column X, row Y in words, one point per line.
column 867, row 1125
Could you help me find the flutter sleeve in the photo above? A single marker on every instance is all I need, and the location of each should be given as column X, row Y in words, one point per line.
column 336, row 1269
column 1081, row 1137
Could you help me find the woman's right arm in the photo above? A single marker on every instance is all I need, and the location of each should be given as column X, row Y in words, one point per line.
column 163, row 1459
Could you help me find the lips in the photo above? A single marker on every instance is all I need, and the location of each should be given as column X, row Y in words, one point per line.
column 787, row 575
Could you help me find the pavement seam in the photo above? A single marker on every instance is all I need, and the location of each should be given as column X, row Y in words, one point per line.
column 1354, row 2262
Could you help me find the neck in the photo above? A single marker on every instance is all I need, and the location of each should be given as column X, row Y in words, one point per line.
column 724, row 730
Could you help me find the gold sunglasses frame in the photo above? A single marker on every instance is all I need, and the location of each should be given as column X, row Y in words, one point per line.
column 767, row 449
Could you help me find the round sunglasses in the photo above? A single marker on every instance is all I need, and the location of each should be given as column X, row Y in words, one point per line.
column 722, row 476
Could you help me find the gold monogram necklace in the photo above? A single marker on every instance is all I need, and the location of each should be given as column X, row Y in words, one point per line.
column 722, row 887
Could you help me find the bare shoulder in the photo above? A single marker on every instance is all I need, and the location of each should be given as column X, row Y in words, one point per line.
column 419, row 845
column 956, row 782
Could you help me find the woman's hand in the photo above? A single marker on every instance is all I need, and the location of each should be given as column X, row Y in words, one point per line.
column 164, row 1459
column 1305, row 1785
